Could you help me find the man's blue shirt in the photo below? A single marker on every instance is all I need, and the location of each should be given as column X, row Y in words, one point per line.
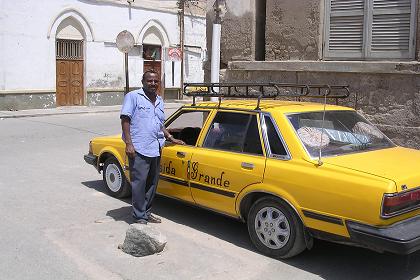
column 146, row 122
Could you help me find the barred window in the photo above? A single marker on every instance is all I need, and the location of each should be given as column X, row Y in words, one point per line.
column 369, row 29
column 69, row 49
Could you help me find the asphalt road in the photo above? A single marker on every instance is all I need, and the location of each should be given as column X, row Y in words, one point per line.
column 57, row 222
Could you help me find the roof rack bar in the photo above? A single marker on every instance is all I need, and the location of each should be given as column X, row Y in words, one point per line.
column 266, row 90
column 258, row 102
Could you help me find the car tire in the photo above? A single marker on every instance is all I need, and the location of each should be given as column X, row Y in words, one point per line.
column 275, row 229
column 114, row 179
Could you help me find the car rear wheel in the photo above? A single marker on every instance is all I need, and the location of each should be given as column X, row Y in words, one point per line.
column 114, row 179
column 275, row 229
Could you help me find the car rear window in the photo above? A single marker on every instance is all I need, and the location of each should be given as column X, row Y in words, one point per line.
column 337, row 133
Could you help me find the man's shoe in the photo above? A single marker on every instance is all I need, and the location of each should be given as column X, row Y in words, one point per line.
column 154, row 219
column 140, row 221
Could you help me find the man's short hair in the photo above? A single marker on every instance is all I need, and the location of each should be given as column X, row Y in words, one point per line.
column 150, row 71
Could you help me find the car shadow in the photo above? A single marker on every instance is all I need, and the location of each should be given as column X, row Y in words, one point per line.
column 337, row 261
column 225, row 228
column 326, row 259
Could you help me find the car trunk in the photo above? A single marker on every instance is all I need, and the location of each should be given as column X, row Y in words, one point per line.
column 398, row 164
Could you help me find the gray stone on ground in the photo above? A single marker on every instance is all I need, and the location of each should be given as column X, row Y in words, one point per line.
column 143, row 240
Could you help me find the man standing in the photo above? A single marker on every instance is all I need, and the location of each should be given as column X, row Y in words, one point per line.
column 143, row 131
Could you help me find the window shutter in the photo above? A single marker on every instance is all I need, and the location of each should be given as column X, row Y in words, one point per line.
column 391, row 29
column 344, row 32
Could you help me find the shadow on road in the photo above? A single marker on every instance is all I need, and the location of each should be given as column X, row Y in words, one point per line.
column 222, row 227
column 328, row 260
column 335, row 261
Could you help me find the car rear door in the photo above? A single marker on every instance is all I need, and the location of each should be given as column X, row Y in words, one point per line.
column 229, row 158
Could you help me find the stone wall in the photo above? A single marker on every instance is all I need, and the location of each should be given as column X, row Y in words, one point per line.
column 14, row 101
column 389, row 100
column 104, row 98
column 418, row 32
column 237, row 41
column 292, row 30
column 22, row 100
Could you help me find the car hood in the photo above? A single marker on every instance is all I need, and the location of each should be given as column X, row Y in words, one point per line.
column 399, row 164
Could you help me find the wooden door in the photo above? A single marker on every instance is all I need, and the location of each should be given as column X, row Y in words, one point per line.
column 69, row 72
column 69, row 82
column 155, row 65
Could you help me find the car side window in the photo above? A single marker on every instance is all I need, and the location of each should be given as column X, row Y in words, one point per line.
column 236, row 132
column 187, row 125
column 276, row 146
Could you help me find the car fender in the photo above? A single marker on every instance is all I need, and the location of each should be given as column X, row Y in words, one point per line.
column 113, row 151
column 269, row 190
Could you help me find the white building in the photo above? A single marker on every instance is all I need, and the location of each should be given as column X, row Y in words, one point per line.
column 63, row 52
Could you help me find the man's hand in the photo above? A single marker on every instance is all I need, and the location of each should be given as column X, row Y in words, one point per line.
column 171, row 139
column 177, row 141
column 129, row 150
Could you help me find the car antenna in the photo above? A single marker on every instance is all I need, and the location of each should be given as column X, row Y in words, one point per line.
column 328, row 91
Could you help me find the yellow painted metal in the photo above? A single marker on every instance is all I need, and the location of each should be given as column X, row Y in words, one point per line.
column 399, row 164
column 348, row 187
column 223, row 171
column 174, row 166
column 273, row 106
column 112, row 145
column 223, row 174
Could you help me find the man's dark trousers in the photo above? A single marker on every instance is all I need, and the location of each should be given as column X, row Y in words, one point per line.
column 144, row 175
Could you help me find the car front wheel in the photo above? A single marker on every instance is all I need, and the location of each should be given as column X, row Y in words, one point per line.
column 114, row 179
column 275, row 229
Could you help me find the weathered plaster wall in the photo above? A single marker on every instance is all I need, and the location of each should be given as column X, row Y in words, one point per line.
column 391, row 101
column 418, row 32
column 238, row 32
column 237, row 42
column 292, row 29
column 27, row 44
column 104, row 98
column 36, row 100
column 13, row 102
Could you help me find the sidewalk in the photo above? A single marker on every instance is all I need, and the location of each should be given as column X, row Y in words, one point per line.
column 77, row 110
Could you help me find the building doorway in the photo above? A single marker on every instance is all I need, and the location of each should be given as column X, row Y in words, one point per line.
column 152, row 56
column 69, row 72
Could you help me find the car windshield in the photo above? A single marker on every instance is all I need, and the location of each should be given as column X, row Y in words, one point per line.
column 341, row 132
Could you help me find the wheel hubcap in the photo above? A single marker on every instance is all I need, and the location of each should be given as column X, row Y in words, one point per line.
column 272, row 227
column 113, row 177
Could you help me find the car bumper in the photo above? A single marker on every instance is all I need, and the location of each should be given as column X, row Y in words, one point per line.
column 91, row 159
column 400, row 238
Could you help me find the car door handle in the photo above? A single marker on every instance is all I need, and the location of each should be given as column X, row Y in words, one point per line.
column 247, row 165
column 180, row 154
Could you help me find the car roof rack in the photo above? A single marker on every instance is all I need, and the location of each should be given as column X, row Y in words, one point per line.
column 265, row 90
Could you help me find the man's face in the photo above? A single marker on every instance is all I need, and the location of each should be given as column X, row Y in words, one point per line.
column 150, row 83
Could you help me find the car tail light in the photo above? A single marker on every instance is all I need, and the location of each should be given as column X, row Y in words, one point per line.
column 398, row 203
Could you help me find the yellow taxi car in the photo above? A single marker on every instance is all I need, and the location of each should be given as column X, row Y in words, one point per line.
column 293, row 171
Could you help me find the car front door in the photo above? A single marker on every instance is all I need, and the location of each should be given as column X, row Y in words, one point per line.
column 186, row 125
column 229, row 158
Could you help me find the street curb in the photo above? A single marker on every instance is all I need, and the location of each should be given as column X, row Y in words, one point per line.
column 52, row 114
column 91, row 110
